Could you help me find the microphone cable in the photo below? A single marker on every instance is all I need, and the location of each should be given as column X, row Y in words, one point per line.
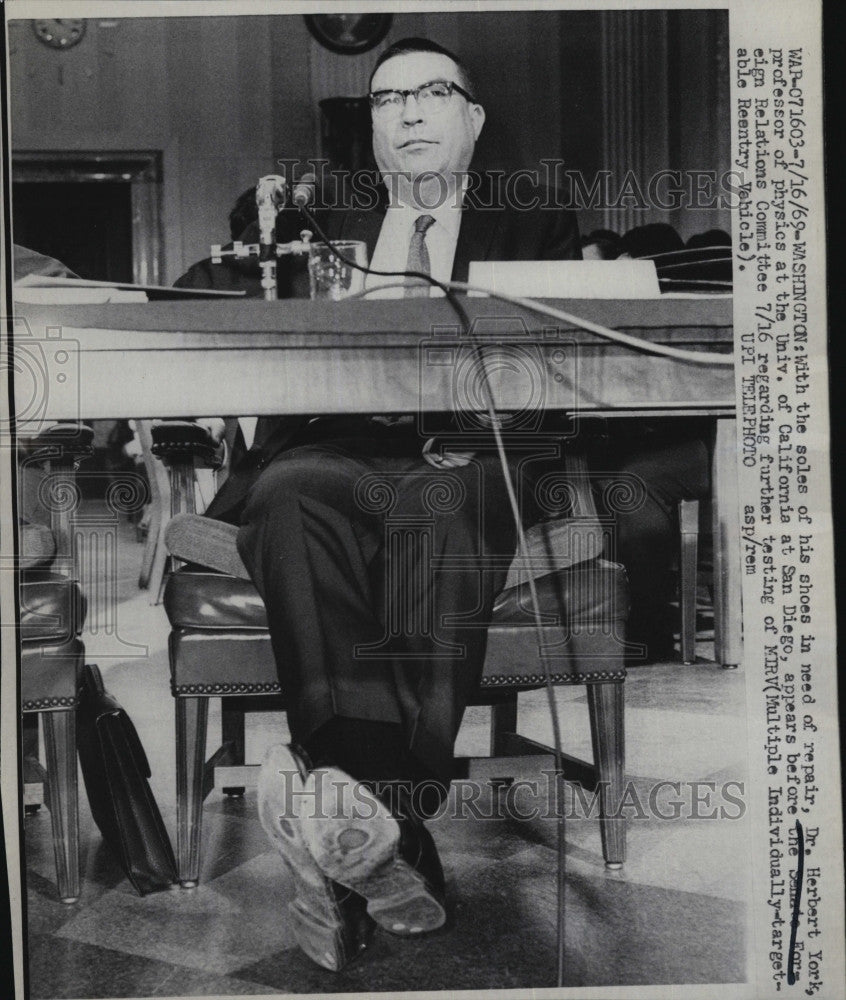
column 449, row 289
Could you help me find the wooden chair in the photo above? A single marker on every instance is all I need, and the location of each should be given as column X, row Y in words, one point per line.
column 164, row 502
column 52, row 612
column 220, row 648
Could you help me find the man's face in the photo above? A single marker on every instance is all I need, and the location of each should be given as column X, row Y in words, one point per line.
column 416, row 141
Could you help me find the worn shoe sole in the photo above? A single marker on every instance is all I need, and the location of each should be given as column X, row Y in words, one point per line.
column 355, row 841
column 318, row 924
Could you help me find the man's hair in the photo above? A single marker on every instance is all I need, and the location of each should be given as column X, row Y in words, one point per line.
column 406, row 45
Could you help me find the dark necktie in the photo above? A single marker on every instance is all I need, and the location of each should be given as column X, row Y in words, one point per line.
column 418, row 257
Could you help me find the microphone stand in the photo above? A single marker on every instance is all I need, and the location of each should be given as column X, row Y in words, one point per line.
column 270, row 199
column 268, row 253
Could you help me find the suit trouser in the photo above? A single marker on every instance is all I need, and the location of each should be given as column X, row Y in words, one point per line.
column 379, row 573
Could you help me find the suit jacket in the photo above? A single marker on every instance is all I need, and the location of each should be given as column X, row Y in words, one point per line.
column 489, row 231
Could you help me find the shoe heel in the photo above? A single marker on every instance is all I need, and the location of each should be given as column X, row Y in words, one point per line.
column 324, row 943
column 400, row 902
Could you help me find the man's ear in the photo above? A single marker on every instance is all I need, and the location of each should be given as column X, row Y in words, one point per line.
column 477, row 117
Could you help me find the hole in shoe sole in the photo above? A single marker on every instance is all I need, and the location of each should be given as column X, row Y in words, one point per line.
column 349, row 840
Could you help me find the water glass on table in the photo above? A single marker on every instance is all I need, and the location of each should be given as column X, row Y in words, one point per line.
column 330, row 277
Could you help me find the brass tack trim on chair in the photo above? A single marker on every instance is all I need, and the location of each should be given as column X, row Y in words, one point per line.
column 215, row 690
column 42, row 704
column 500, row 680
column 187, row 449
column 187, row 446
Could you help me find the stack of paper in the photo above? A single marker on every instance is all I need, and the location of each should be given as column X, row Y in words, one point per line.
column 39, row 289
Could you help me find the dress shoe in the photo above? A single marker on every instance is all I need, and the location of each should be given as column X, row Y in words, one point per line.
column 330, row 922
column 356, row 841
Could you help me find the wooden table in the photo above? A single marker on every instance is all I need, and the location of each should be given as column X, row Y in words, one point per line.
column 169, row 359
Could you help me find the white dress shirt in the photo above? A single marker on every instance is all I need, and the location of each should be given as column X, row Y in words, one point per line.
column 391, row 251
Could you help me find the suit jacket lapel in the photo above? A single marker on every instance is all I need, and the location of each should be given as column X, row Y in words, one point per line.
column 478, row 228
column 475, row 238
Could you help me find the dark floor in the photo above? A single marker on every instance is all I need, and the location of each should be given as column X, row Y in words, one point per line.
column 674, row 914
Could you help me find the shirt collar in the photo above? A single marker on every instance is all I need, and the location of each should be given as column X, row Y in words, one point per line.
column 447, row 214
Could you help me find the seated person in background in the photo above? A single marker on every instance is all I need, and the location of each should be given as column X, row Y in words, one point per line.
column 243, row 274
column 244, row 212
column 708, row 258
column 374, row 714
column 708, row 240
column 698, row 266
column 650, row 241
column 601, row 244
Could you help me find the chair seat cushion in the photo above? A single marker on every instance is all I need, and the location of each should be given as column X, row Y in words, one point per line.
column 196, row 597
column 220, row 644
column 52, row 608
column 594, row 591
column 50, row 675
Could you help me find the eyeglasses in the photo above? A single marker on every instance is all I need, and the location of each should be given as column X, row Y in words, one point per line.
column 431, row 97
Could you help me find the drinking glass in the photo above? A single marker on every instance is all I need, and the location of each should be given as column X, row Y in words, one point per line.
column 329, row 276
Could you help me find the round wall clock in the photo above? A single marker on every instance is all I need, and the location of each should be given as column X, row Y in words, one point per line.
column 349, row 34
column 59, row 33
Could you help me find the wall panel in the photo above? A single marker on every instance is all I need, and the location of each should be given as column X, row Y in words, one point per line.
column 224, row 97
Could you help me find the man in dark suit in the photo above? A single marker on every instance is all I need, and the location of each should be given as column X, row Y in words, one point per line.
column 378, row 653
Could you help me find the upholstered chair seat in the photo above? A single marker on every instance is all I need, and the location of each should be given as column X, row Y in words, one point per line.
column 220, row 648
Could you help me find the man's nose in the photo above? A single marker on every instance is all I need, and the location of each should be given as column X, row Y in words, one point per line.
column 411, row 113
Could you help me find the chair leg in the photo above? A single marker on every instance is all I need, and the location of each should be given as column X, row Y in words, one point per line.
column 728, row 615
column 157, row 570
column 688, row 557
column 62, row 799
column 503, row 723
column 191, row 724
column 34, row 775
column 151, row 544
column 29, row 734
column 233, row 727
column 605, row 703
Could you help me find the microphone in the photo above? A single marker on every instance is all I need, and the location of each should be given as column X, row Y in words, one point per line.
column 270, row 192
column 270, row 197
column 303, row 194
